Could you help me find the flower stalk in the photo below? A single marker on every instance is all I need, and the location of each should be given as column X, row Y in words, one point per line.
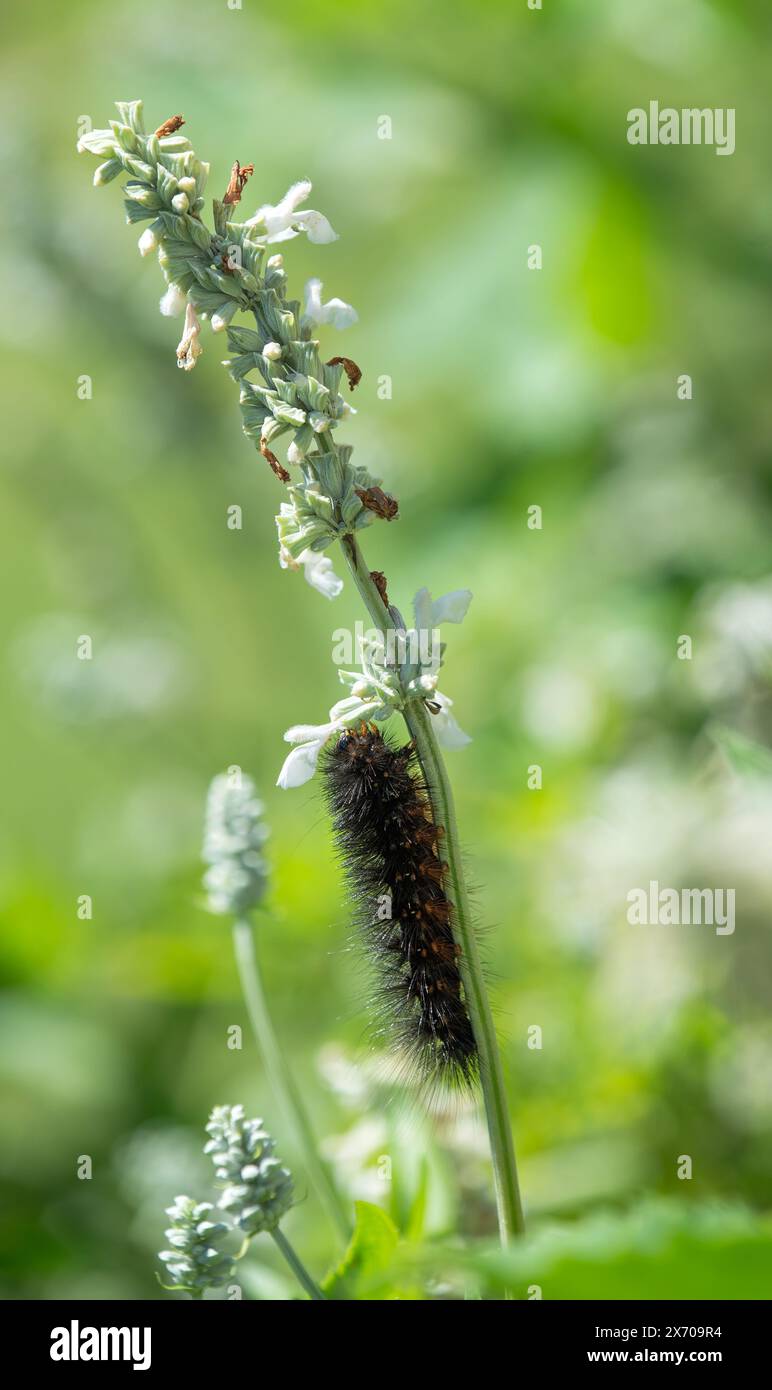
column 298, row 1268
column 280, row 1075
column 418, row 720
column 236, row 882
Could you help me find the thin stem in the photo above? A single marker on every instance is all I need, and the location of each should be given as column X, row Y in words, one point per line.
column 418, row 720
column 281, row 1077
column 298, row 1268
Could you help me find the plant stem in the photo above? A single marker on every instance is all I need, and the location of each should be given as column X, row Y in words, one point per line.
column 281, row 1077
column 297, row 1267
column 418, row 720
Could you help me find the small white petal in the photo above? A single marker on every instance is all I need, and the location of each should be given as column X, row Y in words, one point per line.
column 316, row 226
column 292, row 199
column 340, row 314
column 276, row 218
column 320, row 574
column 449, row 733
column 451, row 608
column 299, row 766
column 313, row 298
column 342, row 709
column 308, row 733
column 422, row 610
column 272, row 352
column 284, row 234
column 173, row 302
column 335, row 311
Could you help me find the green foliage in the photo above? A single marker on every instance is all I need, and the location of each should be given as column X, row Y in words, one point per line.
column 507, row 388
column 658, row 1250
column 365, row 1270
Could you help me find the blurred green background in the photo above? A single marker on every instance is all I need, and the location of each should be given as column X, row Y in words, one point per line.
column 510, row 387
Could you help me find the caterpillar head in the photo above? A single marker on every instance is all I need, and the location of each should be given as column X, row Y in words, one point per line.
column 355, row 741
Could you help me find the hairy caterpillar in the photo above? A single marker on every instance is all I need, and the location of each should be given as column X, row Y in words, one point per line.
column 389, row 846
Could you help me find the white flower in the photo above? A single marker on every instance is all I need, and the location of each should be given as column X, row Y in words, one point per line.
column 275, row 262
column 148, row 242
column 97, row 142
column 173, row 302
column 335, row 311
column 272, row 352
column 300, row 765
column 237, row 877
column 317, row 568
column 450, row 608
column 189, row 348
column 284, row 221
column 422, row 640
column 180, row 202
column 295, row 454
column 448, row 732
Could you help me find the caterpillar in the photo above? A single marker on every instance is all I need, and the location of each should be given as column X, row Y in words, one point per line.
column 389, row 846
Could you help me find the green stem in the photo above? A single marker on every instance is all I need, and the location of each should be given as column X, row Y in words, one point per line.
column 281, row 1077
column 418, row 720
column 297, row 1267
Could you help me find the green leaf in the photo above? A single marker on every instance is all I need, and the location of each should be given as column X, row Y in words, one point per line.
column 661, row 1249
column 362, row 1273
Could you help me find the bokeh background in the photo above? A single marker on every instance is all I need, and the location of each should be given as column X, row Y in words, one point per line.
column 510, row 387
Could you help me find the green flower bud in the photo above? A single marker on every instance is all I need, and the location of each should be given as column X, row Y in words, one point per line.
column 259, row 1190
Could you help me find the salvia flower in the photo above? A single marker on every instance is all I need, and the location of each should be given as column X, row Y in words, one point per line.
column 234, row 834
column 449, row 732
column 389, row 677
column 195, row 1262
column 420, row 671
column 258, row 1189
column 317, row 569
column 284, row 220
column 284, row 381
column 300, row 765
column 335, row 311
column 189, row 348
column 173, row 302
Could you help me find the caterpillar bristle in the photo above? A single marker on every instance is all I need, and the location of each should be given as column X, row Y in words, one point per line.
column 389, row 847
